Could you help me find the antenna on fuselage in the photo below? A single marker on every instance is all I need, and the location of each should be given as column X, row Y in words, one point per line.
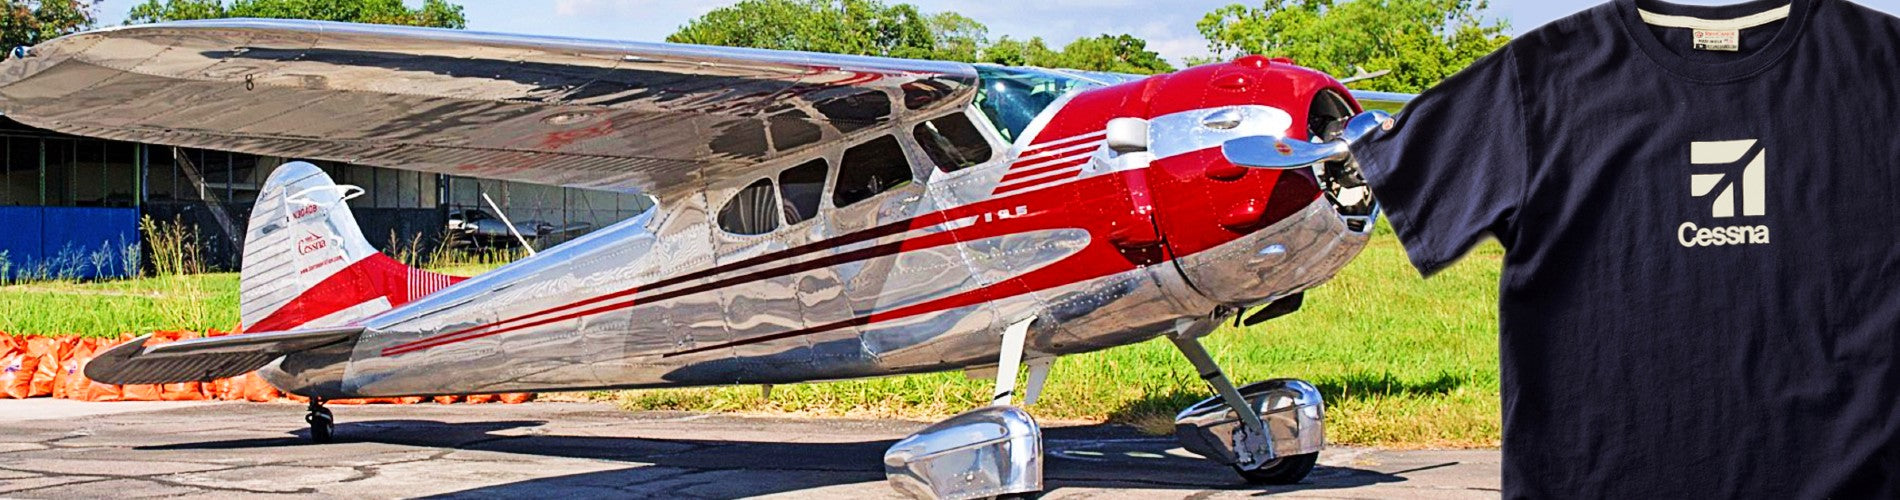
column 510, row 224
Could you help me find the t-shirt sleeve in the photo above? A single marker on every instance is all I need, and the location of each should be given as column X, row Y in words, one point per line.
column 1454, row 166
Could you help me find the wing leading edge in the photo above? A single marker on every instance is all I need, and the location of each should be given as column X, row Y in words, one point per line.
column 624, row 116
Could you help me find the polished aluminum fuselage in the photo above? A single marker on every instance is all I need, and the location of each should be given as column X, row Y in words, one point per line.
column 669, row 299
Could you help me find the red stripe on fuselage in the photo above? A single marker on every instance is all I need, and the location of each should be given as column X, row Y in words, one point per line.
column 1013, row 176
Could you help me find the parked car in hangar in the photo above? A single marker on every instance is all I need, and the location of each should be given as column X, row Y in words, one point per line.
column 476, row 229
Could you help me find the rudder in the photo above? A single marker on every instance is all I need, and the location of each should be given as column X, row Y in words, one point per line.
column 306, row 263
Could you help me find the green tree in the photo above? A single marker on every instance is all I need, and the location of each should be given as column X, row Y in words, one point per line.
column 863, row 27
column 1420, row 41
column 871, row 27
column 432, row 13
column 1118, row 53
column 29, row 22
column 1032, row 52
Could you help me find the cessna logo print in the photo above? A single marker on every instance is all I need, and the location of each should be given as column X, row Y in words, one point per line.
column 1737, row 188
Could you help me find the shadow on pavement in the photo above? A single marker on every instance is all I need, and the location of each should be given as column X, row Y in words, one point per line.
column 1095, row 456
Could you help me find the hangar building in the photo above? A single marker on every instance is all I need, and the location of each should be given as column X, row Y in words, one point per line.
column 70, row 206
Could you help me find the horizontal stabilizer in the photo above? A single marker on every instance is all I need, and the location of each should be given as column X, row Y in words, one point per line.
column 208, row 358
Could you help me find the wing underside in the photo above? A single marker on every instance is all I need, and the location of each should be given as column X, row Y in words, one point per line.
column 623, row 116
column 207, row 358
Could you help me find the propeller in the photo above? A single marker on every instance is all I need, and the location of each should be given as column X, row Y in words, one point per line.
column 1261, row 151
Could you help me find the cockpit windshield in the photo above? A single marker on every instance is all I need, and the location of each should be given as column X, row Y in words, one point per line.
column 1012, row 97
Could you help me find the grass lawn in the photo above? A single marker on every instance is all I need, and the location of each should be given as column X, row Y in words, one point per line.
column 1402, row 361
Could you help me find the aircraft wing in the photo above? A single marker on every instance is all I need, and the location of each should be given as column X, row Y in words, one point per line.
column 208, row 358
column 624, row 116
column 1391, row 102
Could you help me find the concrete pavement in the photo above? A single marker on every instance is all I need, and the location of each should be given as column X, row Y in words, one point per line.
column 56, row 449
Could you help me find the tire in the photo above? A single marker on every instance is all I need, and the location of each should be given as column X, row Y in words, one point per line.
column 322, row 426
column 1284, row 470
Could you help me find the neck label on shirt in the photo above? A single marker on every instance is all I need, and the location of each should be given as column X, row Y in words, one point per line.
column 1722, row 40
column 1720, row 190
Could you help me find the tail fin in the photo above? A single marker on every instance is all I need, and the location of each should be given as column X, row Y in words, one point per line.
column 306, row 263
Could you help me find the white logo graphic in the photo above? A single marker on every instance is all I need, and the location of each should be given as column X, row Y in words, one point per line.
column 1754, row 178
column 1753, row 184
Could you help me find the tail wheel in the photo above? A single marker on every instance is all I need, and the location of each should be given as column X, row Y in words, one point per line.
column 1283, row 470
column 322, row 425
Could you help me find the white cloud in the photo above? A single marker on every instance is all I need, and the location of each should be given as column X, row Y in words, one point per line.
column 1177, row 50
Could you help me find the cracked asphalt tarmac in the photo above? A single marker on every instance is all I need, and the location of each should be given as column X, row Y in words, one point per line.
column 64, row 449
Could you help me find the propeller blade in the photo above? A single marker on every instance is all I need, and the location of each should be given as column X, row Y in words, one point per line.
column 1262, row 151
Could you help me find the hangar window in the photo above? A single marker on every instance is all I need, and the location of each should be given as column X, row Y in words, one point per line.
column 870, row 168
column 754, row 210
column 952, row 142
column 801, row 188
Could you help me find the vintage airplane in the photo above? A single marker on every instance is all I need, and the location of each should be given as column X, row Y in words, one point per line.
column 818, row 217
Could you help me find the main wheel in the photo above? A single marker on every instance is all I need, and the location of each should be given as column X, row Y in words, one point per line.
column 322, row 425
column 1283, row 470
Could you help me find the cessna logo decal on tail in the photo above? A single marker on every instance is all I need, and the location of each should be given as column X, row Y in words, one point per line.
column 1752, row 201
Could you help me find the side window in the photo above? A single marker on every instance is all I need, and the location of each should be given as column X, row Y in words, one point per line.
column 753, row 211
column 800, row 188
column 870, row 168
column 952, row 142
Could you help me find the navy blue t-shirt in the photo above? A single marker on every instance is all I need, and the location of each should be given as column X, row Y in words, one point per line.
column 1701, row 286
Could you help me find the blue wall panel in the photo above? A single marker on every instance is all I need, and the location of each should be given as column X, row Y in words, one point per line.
column 75, row 242
column 20, row 229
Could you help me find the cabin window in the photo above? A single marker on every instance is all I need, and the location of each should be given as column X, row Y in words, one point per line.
column 1013, row 97
column 754, row 210
column 800, row 188
column 952, row 142
column 870, row 168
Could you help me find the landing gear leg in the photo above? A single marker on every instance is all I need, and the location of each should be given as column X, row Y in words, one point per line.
column 1270, row 432
column 990, row 451
column 322, row 422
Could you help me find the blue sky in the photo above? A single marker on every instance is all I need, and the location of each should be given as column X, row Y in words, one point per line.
column 1168, row 26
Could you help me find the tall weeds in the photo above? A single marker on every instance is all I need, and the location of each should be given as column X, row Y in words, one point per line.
column 175, row 259
column 174, row 245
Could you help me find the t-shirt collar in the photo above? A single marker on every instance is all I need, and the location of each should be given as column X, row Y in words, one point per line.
column 1632, row 13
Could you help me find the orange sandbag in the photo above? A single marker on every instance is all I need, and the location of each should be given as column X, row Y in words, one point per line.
column 66, row 369
column 16, row 369
column 47, row 350
column 141, row 392
column 99, row 391
column 255, row 389
column 182, row 391
column 373, row 401
column 447, row 400
column 476, row 399
column 515, row 398
column 222, row 389
column 73, row 380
